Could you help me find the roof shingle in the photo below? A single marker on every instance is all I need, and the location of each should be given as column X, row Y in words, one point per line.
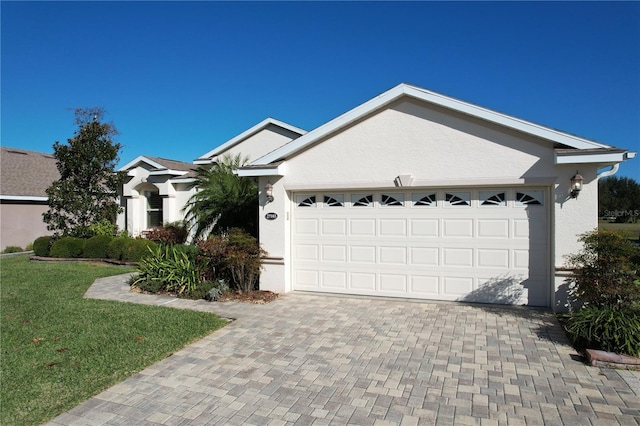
column 26, row 173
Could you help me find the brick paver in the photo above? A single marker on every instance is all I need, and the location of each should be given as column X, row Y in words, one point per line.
column 321, row 360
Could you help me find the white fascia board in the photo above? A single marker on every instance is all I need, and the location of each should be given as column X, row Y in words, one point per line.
column 167, row 172
column 610, row 157
column 248, row 133
column 430, row 97
column 185, row 180
column 22, row 198
column 261, row 171
column 140, row 159
column 203, row 162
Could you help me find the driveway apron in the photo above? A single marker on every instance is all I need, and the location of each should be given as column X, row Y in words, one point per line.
column 308, row 359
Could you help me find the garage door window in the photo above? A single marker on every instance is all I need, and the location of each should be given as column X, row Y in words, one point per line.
column 359, row 200
column 396, row 200
column 424, row 200
column 335, row 200
column 529, row 198
column 306, row 200
column 490, row 198
column 457, row 199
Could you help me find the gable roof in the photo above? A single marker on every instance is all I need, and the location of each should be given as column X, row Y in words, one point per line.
column 405, row 90
column 161, row 166
column 25, row 175
column 247, row 134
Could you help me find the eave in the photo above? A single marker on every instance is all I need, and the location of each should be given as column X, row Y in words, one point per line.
column 597, row 155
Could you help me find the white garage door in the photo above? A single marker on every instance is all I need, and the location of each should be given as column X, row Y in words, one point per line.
column 488, row 245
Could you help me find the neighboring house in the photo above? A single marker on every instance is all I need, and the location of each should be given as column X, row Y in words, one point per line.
column 25, row 176
column 417, row 195
column 157, row 190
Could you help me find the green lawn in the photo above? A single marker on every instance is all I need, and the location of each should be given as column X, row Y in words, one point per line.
column 59, row 349
column 633, row 229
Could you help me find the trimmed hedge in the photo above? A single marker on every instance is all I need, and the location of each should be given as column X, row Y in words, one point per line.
column 136, row 249
column 67, row 247
column 96, row 247
column 116, row 247
column 42, row 245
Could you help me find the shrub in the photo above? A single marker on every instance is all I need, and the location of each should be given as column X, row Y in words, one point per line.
column 190, row 250
column 116, row 247
column 67, row 247
column 169, row 233
column 12, row 249
column 605, row 272
column 42, row 245
column 96, row 247
column 136, row 249
column 103, row 227
column 29, row 247
column 608, row 328
column 235, row 257
column 173, row 268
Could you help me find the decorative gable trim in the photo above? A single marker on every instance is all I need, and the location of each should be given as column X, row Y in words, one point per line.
column 140, row 159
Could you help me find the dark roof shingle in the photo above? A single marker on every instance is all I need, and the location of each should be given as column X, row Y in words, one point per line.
column 26, row 173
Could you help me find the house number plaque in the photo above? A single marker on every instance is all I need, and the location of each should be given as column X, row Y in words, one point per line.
column 271, row 216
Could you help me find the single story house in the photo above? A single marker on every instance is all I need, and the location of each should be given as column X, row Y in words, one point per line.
column 26, row 175
column 156, row 189
column 418, row 195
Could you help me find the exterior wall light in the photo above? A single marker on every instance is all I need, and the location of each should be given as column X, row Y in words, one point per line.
column 268, row 192
column 576, row 185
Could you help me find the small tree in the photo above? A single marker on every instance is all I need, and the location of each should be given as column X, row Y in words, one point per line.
column 224, row 200
column 86, row 191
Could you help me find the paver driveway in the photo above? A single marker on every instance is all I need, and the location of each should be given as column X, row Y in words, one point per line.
column 307, row 359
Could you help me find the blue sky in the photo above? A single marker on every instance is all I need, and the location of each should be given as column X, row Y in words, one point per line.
column 179, row 78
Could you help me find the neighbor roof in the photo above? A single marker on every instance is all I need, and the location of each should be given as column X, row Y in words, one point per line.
column 405, row 90
column 25, row 175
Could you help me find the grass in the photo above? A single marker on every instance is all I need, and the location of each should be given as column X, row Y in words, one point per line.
column 632, row 228
column 59, row 349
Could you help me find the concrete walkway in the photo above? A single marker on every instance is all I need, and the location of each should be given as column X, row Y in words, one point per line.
column 307, row 359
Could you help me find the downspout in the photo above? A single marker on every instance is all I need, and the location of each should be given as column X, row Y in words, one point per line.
column 612, row 171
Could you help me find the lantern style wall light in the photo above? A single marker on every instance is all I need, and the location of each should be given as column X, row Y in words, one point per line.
column 576, row 185
column 268, row 192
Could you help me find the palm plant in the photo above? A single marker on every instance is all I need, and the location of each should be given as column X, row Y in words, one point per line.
column 223, row 199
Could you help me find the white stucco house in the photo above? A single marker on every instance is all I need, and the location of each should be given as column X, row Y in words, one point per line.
column 418, row 195
column 157, row 189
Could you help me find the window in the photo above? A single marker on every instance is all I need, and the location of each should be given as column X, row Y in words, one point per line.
column 490, row 198
column 359, row 200
column 306, row 200
column 428, row 200
column 529, row 198
column 154, row 209
column 392, row 200
column 457, row 199
column 334, row 200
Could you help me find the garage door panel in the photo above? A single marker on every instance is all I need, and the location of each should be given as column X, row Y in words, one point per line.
column 307, row 226
column 306, row 252
column 363, row 227
column 492, row 258
column 395, row 283
column 307, row 279
column 393, row 255
column 424, row 228
column 334, row 227
column 393, row 227
column 334, row 253
column 425, row 285
column 457, row 257
column 493, row 228
column 363, row 254
column 457, row 228
column 428, row 256
column 363, row 281
column 334, row 280
column 457, row 286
